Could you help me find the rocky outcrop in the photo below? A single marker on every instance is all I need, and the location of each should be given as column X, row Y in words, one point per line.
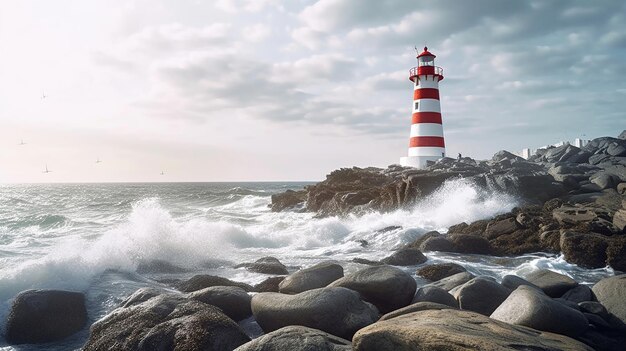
column 438, row 271
column 39, row 316
column 265, row 265
column 529, row 307
column 387, row 287
column 317, row 276
column 335, row 310
column 289, row 200
column 297, row 338
column 457, row 330
column 611, row 293
column 166, row 322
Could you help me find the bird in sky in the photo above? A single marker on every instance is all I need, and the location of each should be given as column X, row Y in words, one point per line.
column 22, row 142
column 47, row 170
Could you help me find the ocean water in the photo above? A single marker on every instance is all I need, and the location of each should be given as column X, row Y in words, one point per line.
column 98, row 238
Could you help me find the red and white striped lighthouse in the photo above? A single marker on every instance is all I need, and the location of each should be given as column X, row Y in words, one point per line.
column 426, row 139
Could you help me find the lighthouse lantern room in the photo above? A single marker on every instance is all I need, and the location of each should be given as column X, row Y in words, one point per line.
column 426, row 141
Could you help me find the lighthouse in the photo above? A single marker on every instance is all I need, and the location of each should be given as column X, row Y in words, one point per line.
column 426, row 141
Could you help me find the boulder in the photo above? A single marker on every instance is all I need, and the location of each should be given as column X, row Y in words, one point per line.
column 616, row 253
column 552, row 283
column 619, row 219
column 143, row 295
column 438, row 271
column 611, row 293
column 335, row 310
column 584, row 249
column 579, row 294
column 416, row 307
column 435, row 294
column 621, row 188
column 528, row 307
column 449, row 283
column 604, row 180
column 39, row 316
column 233, row 301
column 571, row 215
column 387, row 287
column 513, row 282
column 297, row 338
column 290, row 199
column 202, row 281
column 470, row 244
column 265, row 265
column 405, row 257
column 268, row 285
column 481, row 295
column 437, row 243
column 596, row 308
column 455, row 330
column 166, row 322
column 317, row 276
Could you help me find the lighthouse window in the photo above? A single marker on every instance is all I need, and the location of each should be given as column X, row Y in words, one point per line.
column 416, row 105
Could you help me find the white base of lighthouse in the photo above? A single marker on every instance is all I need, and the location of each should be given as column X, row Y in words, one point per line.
column 418, row 161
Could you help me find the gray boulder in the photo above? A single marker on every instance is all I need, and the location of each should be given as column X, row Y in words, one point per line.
column 202, row 281
column 265, row 265
column 439, row 271
column 470, row 244
column 481, row 295
column 605, row 180
column 528, row 307
column 39, row 316
column 143, row 295
column 435, row 294
column 501, row 227
column 268, row 285
column 297, row 338
column 579, row 294
column 587, row 250
column 387, row 287
column 233, row 301
column 335, row 310
column 513, row 282
column 552, row 283
column 166, row 322
column 405, row 257
column 437, row 243
column 317, row 276
column 449, row 283
column 611, row 293
column 455, row 330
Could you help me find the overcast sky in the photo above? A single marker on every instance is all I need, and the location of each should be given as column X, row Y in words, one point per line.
column 290, row 90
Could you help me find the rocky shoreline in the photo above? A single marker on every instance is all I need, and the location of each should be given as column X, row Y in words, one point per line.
column 573, row 202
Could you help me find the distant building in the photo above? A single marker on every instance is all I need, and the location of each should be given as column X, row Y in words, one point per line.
column 578, row 142
column 426, row 141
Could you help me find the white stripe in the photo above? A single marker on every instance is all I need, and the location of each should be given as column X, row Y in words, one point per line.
column 426, row 129
column 430, row 83
column 427, row 151
column 427, row 105
column 417, row 161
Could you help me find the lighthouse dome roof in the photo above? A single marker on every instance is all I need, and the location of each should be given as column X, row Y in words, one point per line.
column 426, row 53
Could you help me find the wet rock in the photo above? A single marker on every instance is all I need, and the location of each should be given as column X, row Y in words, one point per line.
column 405, row 257
column 501, row 227
column 417, row 243
column 570, row 215
column 438, row 243
column 457, row 330
column 438, row 271
column 621, row 188
column 619, row 220
column 317, row 276
column 586, row 250
column 159, row 266
column 387, row 287
column 415, row 307
column 436, row 295
column 604, row 180
column 297, row 338
column 233, row 301
column 449, row 283
column 470, row 244
column 365, row 261
column 335, row 310
column 290, row 199
column 552, row 283
column 143, row 295
column 616, row 253
column 579, row 294
column 166, row 322
column 268, row 285
column 265, row 265
column 202, row 281
column 602, row 226
column 595, row 308
column 529, row 307
column 481, row 295
column 39, row 316
column 611, row 293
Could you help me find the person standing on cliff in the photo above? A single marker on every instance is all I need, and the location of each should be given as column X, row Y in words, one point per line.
column 459, row 157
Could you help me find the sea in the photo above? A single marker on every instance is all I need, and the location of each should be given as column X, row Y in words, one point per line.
column 108, row 240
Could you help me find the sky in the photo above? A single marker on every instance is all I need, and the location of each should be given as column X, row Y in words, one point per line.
column 268, row 90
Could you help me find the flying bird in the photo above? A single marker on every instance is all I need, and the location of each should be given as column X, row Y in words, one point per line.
column 22, row 142
column 98, row 160
column 162, row 173
column 47, row 170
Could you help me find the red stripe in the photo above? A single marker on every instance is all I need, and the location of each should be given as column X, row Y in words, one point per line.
column 426, row 93
column 426, row 117
column 427, row 141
